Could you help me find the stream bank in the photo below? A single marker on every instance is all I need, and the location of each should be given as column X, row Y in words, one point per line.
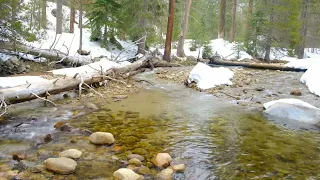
column 215, row 137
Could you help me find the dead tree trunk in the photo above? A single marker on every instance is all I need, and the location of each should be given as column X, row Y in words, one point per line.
column 180, row 49
column 142, row 45
column 80, row 27
column 222, row 17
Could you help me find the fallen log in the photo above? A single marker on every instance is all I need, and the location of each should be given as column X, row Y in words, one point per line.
column 50, row 54
column 256, row 65
column 64, row 83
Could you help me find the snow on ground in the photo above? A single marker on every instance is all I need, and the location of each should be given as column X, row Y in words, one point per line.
column 70, row 41
column 88, row 69
column 4, row 57
column 311, row 77
column 293, row 109
column 225, row 49
column 6, row 82
column 207, row 77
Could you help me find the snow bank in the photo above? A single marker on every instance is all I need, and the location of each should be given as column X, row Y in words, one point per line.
column 6, row 82
column 311, row 78
column 69, row 42
column 228, row 50
column 4, row 57
column 207, row 77
column 88, row 69
column 293, row 109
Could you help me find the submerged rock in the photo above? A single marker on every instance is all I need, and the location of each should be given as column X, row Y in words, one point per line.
column 178, row 168
column 135, row 161
column 296, row 93
column 166, row 174
column 162, row 160
column 61, row 165
column 101, row 138
column 126, row 174
column 137, row 156
column 293, row 109
column 71, row 153
column 19, row 156
column 47, row 138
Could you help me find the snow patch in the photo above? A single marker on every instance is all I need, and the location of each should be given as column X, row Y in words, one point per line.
column 311, row 79
column 207, row 77
column 7, row 82
column 293, row 109
column 4, row 57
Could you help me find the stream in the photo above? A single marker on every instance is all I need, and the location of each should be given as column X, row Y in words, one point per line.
column 214, row 137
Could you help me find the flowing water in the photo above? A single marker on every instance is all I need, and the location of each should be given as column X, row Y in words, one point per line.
column 214, row 137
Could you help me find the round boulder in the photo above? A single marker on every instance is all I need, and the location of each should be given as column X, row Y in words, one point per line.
column 126, row 174
column 162, row 160
column 61, row 165
column 71, row 153
column 101, row 138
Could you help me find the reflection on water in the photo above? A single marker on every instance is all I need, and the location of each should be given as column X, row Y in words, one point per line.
column 213, row 137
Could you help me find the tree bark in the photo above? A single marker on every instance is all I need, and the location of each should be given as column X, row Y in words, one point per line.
column 142, row 46
column 43, row 14
column 80, row 26
column 222, row 17
column 270, row 33
column 59, row 17
column 167, row 49
column 249, row 15
column 304, row 18
column 72, row 16
column 184, row 25
column 256, row 65
column 233, row 26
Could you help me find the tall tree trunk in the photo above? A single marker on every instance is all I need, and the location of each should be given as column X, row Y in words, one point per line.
column 249, row 16
column 270, row 32
column 39, row 14
column 142, row 46
column 59, row 17
column 167, row 49
column 43, row 14
column 222, row 17
column 184, row 25
column 233, row 27
column 80, row 26
column 72, row 16
column 304, row 18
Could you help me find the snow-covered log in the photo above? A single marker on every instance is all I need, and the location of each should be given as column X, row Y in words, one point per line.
column 256, row 65
column 74, row 78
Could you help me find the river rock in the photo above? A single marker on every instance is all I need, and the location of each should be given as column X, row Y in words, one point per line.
column 126, row 174
column 178, row 168
column 120, row 97
column 71, row 153
column 137, row 156
column 166, row 174
column 61, row 165
column 135, row 161
column 296, row 92
column 19, row 156
column 66, row 127
column 91, row 106
column 101, row 138
column 162, row 160
column 293, row 109
column 23, row 165
column 47, row 138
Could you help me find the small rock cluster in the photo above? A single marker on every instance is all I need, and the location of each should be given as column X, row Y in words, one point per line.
column 12, row 66
column 136, row 169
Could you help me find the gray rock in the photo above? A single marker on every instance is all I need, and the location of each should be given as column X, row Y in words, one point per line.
column 101, row 138
column 162, row 160
column 126, row 174
column 178, row 167
column 166, row 174
column 61, row 165
column 137, row 156
column 71, row 153
column 135, row 161
column 23, row 165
